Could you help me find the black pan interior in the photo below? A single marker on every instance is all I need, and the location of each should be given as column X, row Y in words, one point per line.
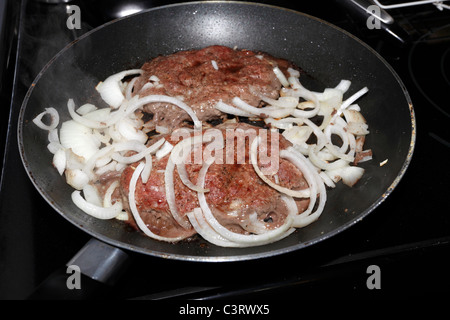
column 325, row 52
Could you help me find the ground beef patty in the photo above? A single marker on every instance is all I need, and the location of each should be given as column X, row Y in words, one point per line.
column 235, row 192
column 201, row 78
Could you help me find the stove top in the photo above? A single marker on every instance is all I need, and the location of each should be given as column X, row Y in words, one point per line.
column 407, row 236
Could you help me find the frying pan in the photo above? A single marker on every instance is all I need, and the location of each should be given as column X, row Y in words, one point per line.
column 326, row 53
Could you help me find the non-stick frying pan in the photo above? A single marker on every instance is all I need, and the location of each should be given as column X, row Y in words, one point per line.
column 327, row 54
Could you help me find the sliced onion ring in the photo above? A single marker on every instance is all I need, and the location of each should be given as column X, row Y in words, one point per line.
column 170, row 186
column 110, row 90
column 305, row 193
column 248, row 240
column 132, row 201
column 313, row 178
column 167, row 99
column 202, row 227
column 54, row 118
column 96, row 211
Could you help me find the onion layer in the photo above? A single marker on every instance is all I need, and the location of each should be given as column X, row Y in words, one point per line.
column 54, row 115
column 94, row 210
column 132, row 200
column 247, row 240
column 254, row 159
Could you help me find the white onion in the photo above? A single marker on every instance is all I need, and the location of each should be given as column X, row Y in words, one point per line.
column 309, row 174
column 281, row 102
column 293, row 73
column 76, row 178
column 358, row 129
column 167, row 99
column 351, row 99
column 281, row 77
column 170, row 191
column 130, row 131
column 129, row 88
column 298, row 90
column 254, row 159
column 54, row 119
column 147, row 169
column 340, row 152
column 83, row 120
column 181, row 169
column 226, row 108
column 343, row 86
column 108, row 194
column 154, row 78
column 298, row 134
column 53, row 135
column 132, row 202
column 109, row 167
column 100, row 115
column 162, row 129
column 86, row 108
column 180, row 161
column 202, row 227
column 266, row 111
column 321, row 138
column 327, row 180
column 137, row 147
column 165, row 150
column 314, row 181
column 248, row 240
column 110, row 89
column 352, row 115
column 60, row 160
column 94, row 210
column 53, row 147
column 91, row 195
column 349, row 174
column 54, row 143
column 253, row 225
column 355, row 107
column 319, row 163
column 91, row 163
column 74, row 161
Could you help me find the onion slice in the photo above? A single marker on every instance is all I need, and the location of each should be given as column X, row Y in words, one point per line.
column 170, row 185
column 248, row 240
column 167, row 99
column 132, row 202
column 94, row 210
column 202, row 227
column 305, row 193
column 281, row 77
column 60, row 160
column 224, row 107
column 54, row 119
column 313, row 178
column 110, row 89
column 272, row 112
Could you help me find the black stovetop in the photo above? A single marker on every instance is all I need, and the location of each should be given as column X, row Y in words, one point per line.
column 407, row 236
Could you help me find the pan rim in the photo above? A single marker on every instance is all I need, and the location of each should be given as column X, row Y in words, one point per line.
column 222, row 258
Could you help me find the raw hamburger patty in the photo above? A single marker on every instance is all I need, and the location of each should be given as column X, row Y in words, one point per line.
column 201, row 78
column 235, row 193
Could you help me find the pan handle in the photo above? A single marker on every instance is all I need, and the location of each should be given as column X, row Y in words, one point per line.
column 88, row 275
